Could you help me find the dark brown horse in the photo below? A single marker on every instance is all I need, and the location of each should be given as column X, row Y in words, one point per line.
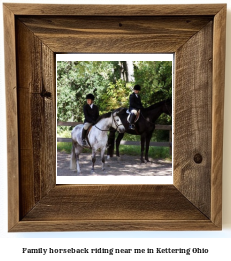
column 143, row 127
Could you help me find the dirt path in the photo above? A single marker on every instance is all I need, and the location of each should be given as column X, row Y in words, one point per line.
column 128, row 166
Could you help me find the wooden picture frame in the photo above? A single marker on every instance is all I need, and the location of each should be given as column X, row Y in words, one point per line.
column 33, row 34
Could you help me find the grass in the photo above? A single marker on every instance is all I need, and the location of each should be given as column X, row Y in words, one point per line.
column 154, row 152
column 66, row 147
column 64, row 134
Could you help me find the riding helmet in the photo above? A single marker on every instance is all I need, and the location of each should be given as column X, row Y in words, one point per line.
column 137, row 87
column 90, row 96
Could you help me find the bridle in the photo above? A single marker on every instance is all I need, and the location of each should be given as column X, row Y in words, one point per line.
column 113, row 119
column 117, row 125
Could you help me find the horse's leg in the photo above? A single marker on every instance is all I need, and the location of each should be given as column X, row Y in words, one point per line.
column 148, row 138
column 102, row 158
column 118, row 140
column 73, row 159
column 74, row 164
column 93, row 160
column 78, row 150
column 111, row 143
column 142, row 148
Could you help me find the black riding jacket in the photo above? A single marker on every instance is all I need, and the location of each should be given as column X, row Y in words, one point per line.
column 135, row 102
column 90, row 114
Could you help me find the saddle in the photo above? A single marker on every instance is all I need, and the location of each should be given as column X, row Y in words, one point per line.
column 88, row 130
column 137, row 116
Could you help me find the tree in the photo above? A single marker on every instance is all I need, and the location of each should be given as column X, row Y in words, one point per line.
column 111, row 82
column 155, row 79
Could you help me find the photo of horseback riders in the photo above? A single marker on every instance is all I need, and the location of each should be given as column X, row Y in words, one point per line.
column 120, row 110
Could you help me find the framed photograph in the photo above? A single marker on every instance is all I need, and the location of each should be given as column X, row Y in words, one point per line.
column 34, row 35
column 111, row 79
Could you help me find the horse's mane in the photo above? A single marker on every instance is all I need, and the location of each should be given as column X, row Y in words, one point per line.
column 103, row 116
column 121, row 110
column 156, row 105
column 108, row 114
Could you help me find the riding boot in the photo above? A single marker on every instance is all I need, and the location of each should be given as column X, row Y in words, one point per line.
column 84, row 132
column 131, row 121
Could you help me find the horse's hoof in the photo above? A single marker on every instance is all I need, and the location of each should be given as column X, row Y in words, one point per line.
column 92, row 172
column 118, row 158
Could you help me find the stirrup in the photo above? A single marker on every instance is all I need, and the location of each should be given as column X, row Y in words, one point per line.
column 84, row 142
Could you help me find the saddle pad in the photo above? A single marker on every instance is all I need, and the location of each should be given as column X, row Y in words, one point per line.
column 137, row 116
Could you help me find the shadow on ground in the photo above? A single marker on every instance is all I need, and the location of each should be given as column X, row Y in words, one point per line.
column 127, row 166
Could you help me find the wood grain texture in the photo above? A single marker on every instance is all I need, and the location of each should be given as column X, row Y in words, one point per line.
column 115, row 10
column 115, row 34
column 194, row 201
column 113, row 207
column 108, row 202
column 36, row 99
column 193, row 126
column 11, row 116
column 218, row 114
column 114, row 225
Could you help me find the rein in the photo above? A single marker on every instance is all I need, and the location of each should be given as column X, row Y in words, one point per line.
column 117, row 125
column 100, row 129
column 146, row 119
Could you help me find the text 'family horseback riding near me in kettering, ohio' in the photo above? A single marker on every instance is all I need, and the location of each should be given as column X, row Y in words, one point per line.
column 114, row 118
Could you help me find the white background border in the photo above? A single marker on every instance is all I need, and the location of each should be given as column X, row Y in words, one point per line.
column 217, row 241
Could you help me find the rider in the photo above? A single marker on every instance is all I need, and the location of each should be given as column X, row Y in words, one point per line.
column 135, row 104
column 91, row 114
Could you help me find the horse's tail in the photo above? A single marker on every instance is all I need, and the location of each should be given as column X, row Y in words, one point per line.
column 111, row 142
column 73, row 160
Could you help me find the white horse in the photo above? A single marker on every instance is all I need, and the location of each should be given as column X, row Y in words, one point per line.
column 97, row 138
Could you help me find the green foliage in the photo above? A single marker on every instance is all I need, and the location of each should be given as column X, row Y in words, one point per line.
column 64, row 134
column 115, row 95
column 156, row 81
column 74, row 81
column 108, row 82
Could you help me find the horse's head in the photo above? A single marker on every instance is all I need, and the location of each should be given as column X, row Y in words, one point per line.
column 117, row 123
column 168, row 107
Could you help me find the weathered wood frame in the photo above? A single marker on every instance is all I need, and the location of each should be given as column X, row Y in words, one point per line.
column 33, row 34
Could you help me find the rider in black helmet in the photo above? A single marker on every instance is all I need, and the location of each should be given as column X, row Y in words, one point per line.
column 91, row 114
column 135, row 105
